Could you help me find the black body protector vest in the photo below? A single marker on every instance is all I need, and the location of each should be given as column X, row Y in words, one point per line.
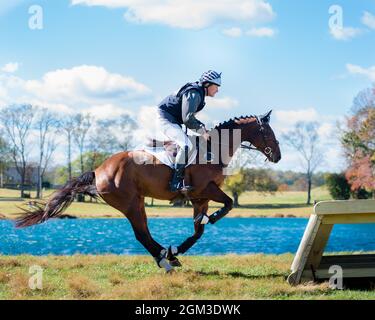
column 172, row 105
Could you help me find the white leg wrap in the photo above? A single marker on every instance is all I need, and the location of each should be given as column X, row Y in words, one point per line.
column 205, row 219
column 174, row 250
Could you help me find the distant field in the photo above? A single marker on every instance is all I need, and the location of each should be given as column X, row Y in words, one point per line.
column 252, row 204
column 137, row 277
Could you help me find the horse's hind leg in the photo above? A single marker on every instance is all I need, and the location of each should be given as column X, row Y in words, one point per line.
column 134, row 211
column 173, row 261
column 138, row 219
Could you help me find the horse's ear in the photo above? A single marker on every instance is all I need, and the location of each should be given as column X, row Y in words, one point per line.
column 267, row 117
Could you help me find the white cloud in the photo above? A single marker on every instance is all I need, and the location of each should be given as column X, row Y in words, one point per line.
column 369, row 73
column 287, row 119
column 10, row 67
column 85, row 84
column 85, row 88
column 261, row 32
column 189, row 14
column 221, row 103
column 345, row 33
column 233, row 32
column 284, row 120
column 149, row 127
column 106, row 111
column 368, row 20
column 253, row 32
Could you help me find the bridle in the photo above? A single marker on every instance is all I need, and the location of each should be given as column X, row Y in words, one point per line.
column 267, row 150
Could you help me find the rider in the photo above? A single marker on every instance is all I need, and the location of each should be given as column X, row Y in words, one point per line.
column 180, row 108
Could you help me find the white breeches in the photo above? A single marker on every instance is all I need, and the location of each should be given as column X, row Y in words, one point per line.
column 175, row 133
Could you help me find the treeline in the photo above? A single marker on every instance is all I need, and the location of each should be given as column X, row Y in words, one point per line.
column 269, row 181
column 30, row 136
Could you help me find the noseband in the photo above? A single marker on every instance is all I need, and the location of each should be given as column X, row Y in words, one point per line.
column 267, row 150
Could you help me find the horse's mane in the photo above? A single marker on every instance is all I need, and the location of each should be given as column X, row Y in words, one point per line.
column 229, row 124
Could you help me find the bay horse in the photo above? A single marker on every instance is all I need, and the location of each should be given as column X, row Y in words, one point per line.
column 124, row 183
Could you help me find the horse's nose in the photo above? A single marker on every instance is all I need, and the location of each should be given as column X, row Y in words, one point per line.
column 277, row 158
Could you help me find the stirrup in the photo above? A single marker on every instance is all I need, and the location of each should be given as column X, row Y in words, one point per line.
column 186, row 188
column 176, row 187
column 181, row 187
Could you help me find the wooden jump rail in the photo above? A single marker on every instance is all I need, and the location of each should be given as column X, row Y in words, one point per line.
column 309, row 263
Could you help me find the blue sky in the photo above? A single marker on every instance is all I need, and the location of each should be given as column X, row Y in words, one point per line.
column 290, row 62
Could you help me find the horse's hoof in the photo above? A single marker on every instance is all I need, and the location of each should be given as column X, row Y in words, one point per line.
column 175, row 263
column 170, row 271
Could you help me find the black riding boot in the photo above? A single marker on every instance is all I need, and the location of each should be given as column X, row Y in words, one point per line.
column 177, row 182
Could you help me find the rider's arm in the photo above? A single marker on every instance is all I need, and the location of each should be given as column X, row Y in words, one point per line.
column 190, row 103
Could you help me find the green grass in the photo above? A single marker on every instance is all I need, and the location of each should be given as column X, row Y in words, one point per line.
column 280, row 204
column 137, row 277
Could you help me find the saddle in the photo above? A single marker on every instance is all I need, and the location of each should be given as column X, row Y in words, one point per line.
column 166, row 151
column 170, row 147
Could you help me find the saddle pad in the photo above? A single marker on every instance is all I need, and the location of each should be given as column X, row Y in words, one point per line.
column 165, row 157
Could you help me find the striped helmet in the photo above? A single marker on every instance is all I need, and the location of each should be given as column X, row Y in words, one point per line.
column 211, row 77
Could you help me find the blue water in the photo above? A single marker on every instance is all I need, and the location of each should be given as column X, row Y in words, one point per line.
column 230, row 235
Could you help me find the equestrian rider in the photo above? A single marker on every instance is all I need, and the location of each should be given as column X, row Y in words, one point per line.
column 180, row 108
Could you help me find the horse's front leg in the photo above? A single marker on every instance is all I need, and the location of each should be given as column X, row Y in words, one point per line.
column 214, row 193
column 200, row 206
column 211, row 192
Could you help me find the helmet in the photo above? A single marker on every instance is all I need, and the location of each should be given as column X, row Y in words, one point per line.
column 211, row 77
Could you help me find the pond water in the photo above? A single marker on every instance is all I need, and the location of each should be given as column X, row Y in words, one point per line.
column 230, row 235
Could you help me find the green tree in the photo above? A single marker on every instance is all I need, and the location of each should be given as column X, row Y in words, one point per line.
column 236, row 184
column 338, row 186
column 260, row 180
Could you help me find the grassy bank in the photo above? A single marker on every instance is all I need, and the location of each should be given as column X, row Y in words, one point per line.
column 137, row 277
column 252, row 204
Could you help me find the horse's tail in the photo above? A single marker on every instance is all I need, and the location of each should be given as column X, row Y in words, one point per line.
column 59, row 201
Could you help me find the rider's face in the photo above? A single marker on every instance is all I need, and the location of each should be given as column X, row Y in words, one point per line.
column 212, row 90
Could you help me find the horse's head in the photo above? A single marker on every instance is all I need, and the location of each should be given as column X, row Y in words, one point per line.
column 264, row 139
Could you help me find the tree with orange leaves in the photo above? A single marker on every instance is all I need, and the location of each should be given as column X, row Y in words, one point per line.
column 359, row 143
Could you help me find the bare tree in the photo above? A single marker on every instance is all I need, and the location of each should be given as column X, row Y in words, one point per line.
column 82, row 124
column 103, row 139
column 304, row 139
column 17, row 122
column 67, row 126
column 46, row 124
column 126, row 127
